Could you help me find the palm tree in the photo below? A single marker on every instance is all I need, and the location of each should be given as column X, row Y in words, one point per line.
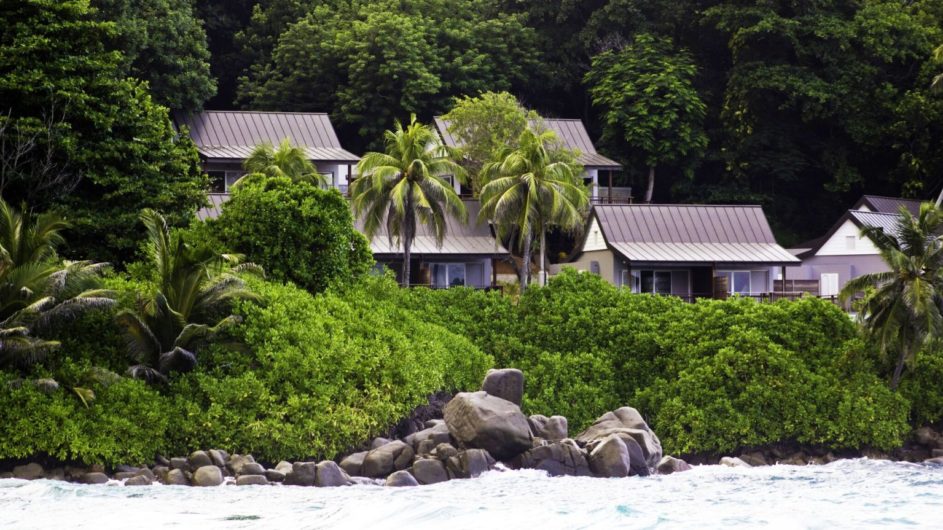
column 405, row 187
column 191, row 305
column 904, row 311
column 529, row 188
column 286, row 161
column 37, row 293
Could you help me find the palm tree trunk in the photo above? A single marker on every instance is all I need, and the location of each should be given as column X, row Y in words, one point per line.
column 899, row 369
column 409, row 232
column 525, row 260
column 407, row 245
column 651, row 185
column 543, row 257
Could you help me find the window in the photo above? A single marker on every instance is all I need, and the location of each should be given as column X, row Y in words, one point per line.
column 594, row 267
column 446, row 275
column 217, row 181
column 850, row 242
column 738, row 282
column 658, row 282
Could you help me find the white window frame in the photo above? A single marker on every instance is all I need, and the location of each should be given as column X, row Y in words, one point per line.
column 636, row 283
column 730, row 282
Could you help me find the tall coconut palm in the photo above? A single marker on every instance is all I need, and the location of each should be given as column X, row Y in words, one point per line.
column 37, row 292
column 530, row 188
column 287, row 161
column 192, row 303
column 405, row 187
column 904, row 311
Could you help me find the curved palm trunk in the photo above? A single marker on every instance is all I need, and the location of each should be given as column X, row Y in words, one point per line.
column 651, row 185
column 899, row 369
column 543, row 258
column 525, row 260
column 409, row 233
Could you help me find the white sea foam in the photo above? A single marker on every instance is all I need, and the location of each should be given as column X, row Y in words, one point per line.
column 845, row 494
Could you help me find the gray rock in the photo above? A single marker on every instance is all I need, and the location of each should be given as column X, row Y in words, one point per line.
column 6, row 474
column 353, row 464
column 478, row 420
column 94, row 478
column 122, row 468
column 251, row 468
column 208, row 476
column 626, row 421
column 429, row 471
column 274, row 475
column 160, row 472
column 218, row 457
column 469, row 463
column 199, row 459
column 302, row 474
column 610, row 458
column 382, row 461
column 436, row 434
column 283, row 467
column 506, row 383
column 237, row 461
column 444, row 451
column 732, row 461
column 669, row 464
column 938, row 461
column 379, row 442
column 426, row 447
column 138, row 480
column 176, row 477
column 330, row 475
column 179, row 463
column 936, row 453
column 162, row 461
column 433, row 422
column 926, row 436
column 552, row 429
column 363, row 481
column 56, row 473
column 123, row 475
column 252, row 480
column 755, row 458
column 401, row 479
column 31, row 471
column 557, row 459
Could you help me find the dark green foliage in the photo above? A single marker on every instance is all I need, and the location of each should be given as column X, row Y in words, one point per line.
column 295, row 231
column 922, row 386
column 111, row 150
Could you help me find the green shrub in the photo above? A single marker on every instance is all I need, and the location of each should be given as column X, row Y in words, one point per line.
column 296, row 232
column 923, row 386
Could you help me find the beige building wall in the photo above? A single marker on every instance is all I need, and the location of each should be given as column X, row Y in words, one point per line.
column 606, row 260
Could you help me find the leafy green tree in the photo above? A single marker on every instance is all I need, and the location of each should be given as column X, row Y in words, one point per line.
column 37, row 292
column 297, row 232
column 223, row 20
column 904, row 311
column 287, row 161
column 485, row 124
column 108, row 132
column 369, row 62
column 162, row 42
column 405, row 187
column 652, row 112
column 530, row 188
column 191, row 304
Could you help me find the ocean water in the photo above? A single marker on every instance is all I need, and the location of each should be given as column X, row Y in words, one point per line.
column 846, row 494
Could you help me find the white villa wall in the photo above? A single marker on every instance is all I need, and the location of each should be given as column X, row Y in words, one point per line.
column 594, row 237
column 838, row 244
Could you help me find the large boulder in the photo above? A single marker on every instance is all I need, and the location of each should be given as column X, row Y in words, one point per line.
column 31, row 471
column 208, row 476
column 95, row 477
column 199, row 459
column 552, row 429
column 330, row 475
column 138, row 480
column 469, row 463
column 478, row 420
column 732, row 461
column 179, row 462
column 628, row 422
column 506, row 383
column 176, row 477
column 353, row 464
column 557, row 459
column 302, row 474
column 401, row 479
column 669, row 464
column 218, row 457
column 251, row 468
column 434, row 435
column 610, row 458
column 382, row 461
column 252, row 480
column 236, row 463
column 429, row 471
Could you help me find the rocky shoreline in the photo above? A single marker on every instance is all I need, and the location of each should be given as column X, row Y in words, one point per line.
column 478, row 432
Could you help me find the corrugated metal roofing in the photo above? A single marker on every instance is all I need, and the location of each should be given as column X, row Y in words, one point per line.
column 233, row 134
column 691, row 233
column 214, row 208
column 571, row 133
column 471, row 238
column 890, row 204
column 885, row 221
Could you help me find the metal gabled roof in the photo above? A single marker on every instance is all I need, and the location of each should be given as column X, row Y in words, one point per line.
column 891, row 205
column 571, row 133
column 691, row 234
column 232, row 135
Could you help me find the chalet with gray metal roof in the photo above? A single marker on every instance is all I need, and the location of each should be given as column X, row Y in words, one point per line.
column 842, row 254
column 469, row 255
column 573, row 135
column 689, row 251
column 225, row 139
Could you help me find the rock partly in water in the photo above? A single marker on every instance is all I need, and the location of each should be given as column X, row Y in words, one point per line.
column 479, row 420
column 552, row 429
column 31, row 471
column 625, row 421
column 429, row 471
column 176, row 477
column 610, row 458
column 382, row 461
column 669, row 464
column 252, row 480
column 94, row 478
column 207, row 476
column 283, row 467
column 302, row 474
column 199, row 459
column 938, row 460
column 557, row 459
column 138, row 480
column 218, row 457
column 469, row 463
column 236, row 463
column 401, row 479
column 353, row 464
column 330, row 475
column 179, row 463
column 274, row 475
column 251, row 468
column 755, row 458
column 732, row 461
column 505, row 383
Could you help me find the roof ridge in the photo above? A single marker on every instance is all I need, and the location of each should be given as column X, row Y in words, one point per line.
column 894, row 198
column 259, row 112
column 688, row 205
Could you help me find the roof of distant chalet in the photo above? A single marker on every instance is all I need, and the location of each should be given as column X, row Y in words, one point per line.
column 682, row 233
column 571, row 133
column 876, row 203
column 233, row 134
column 472, row 238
